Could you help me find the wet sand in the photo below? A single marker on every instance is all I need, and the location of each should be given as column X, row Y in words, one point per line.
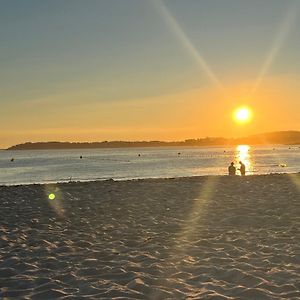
column 215, row 237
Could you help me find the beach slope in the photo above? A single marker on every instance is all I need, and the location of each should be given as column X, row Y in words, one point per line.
column 213, row 237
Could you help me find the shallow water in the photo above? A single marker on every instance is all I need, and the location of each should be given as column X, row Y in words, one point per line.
column 130, row 163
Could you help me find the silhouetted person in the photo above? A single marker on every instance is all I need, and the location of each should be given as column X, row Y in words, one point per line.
column 12, row 159
column 231, row 169
column 242, row 169
column 80, row 156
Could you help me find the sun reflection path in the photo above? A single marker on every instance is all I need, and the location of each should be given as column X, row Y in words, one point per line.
column 189, row 233
column 243, row 154
column 186, row 42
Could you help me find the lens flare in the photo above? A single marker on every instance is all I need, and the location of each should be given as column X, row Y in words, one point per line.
column 284, row 30
column 186, row 42
column 51, row 196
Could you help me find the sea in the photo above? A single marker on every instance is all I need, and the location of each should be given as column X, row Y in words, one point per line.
column 47, row 166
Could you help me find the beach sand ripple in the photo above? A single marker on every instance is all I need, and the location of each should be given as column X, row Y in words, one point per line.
column 212, row 237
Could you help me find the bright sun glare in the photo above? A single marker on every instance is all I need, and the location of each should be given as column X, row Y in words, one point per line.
column 242, row 114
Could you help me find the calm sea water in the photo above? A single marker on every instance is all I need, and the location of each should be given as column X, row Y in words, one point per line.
column 99, row 164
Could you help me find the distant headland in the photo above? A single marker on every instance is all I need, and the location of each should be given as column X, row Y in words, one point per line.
column 279, row 137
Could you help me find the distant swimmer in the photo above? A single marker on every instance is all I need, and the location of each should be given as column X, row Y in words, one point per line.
column 242, row 169
column 80, row 156
column 139, row 155
column 12, row 159
column 231, row 169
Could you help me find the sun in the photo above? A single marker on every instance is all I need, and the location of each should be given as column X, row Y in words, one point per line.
column 242, row 115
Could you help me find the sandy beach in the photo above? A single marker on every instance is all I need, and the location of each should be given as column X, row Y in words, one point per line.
column 214, row 237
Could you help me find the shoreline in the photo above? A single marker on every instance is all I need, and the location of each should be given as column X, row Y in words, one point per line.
column 50, row 182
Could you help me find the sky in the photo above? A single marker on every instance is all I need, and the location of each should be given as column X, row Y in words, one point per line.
column 94, row 70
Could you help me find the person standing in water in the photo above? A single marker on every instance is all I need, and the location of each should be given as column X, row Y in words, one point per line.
column 231, row 169
column 242, row 169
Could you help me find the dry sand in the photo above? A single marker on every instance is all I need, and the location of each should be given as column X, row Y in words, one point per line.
column 213, row 237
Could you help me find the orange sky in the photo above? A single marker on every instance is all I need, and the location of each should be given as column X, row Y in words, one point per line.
column 190, row 114
column 173, row 71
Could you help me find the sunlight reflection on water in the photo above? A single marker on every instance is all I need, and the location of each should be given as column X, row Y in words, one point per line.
column 44, row 166
column 243, row 154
